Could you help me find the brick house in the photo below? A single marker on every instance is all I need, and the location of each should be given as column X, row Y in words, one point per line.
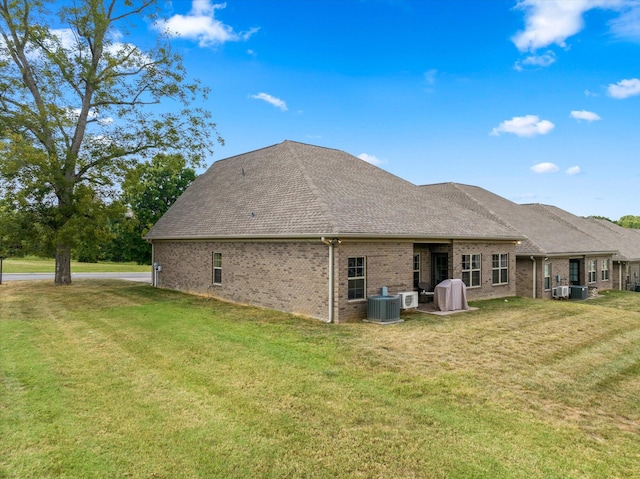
column 315, row 231
column 625, row 266
column 559, row 248
column 626, row 263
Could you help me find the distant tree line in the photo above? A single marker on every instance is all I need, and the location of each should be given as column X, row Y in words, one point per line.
column 112, row 228
column 627, row 221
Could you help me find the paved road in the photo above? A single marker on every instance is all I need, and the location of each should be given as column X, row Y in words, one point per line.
column 141, row 277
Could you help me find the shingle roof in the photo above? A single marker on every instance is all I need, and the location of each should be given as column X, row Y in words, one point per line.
column 295, row 189
column 625, row 241
column 546, row 234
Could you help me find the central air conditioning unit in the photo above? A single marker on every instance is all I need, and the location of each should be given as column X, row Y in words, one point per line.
column 383, row 309
column 560, row 292
column 579, row 292
column 409, row 300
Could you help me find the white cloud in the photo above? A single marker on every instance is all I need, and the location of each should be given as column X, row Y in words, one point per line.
column 200, row 24
column 574, row 170
column 430, row 76
column 528, row 125
column 536, row 61
column 585, row 115
column 553, row 21
column 627, row 25
column 589, row 93
column 277, row 102
column 624, row 89
column 545, row 167
column 370, row 159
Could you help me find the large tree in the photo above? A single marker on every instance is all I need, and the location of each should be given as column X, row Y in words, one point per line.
column 148, row 190
column 79, row 106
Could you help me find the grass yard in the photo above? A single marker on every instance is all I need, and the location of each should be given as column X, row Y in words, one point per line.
column 117, row 379
column 32, row 264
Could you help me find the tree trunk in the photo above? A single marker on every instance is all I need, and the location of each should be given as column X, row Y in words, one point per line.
column 63, row 264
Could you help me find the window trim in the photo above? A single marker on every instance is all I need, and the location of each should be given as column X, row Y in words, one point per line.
column 216, row 269
column 352, row 279
column 547, row 276
column 501, row 269
column 416, row 260
column 605, row 270
column 471, row 270
column 592, row 271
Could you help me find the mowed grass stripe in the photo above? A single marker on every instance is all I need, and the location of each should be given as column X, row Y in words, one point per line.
column 149, row 383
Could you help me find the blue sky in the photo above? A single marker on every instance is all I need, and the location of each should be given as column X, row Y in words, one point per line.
column 537, row 100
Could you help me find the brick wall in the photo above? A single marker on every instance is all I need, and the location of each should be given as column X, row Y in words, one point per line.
column 287, row 276
column 559, row 267
column 600, row 284
column 487, row 289
column 292, row 276
column 388, row 264
column 630, row 273
column 524, row 277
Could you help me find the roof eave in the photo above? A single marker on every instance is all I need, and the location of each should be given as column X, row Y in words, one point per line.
column 307, row 236
column 569, row 253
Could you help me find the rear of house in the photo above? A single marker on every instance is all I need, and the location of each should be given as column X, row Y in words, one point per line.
column 316, row 231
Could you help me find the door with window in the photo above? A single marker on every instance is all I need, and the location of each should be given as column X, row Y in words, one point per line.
column 574, row 271
column 439, row 268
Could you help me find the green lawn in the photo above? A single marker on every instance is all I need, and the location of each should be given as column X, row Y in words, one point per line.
column 33, row 264
column 117, row 379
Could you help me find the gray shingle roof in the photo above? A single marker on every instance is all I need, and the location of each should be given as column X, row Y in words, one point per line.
column 625, row 241
column 546, row 234
column 295, row 189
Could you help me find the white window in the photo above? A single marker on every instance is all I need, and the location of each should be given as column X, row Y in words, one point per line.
column 217, row 268
column 416, row 270
column 471, row 270
column 605, row 270
column 356, row 278
column 592, row 271
column 547, row 276
column 500, row 268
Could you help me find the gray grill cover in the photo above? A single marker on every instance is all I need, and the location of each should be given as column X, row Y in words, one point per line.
column 450, row 295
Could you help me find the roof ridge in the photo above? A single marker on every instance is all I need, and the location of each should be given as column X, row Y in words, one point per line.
column 312, row 185
column 495, row 216
column 550, row 210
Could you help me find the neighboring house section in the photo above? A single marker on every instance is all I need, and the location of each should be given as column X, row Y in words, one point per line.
column 555, row 252
column 624, row 270
column 315, row 231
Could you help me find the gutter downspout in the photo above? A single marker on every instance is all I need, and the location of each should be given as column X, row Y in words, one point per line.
column 154, row 273
column 331, row 276
column 534, row 276
column 619, row 275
